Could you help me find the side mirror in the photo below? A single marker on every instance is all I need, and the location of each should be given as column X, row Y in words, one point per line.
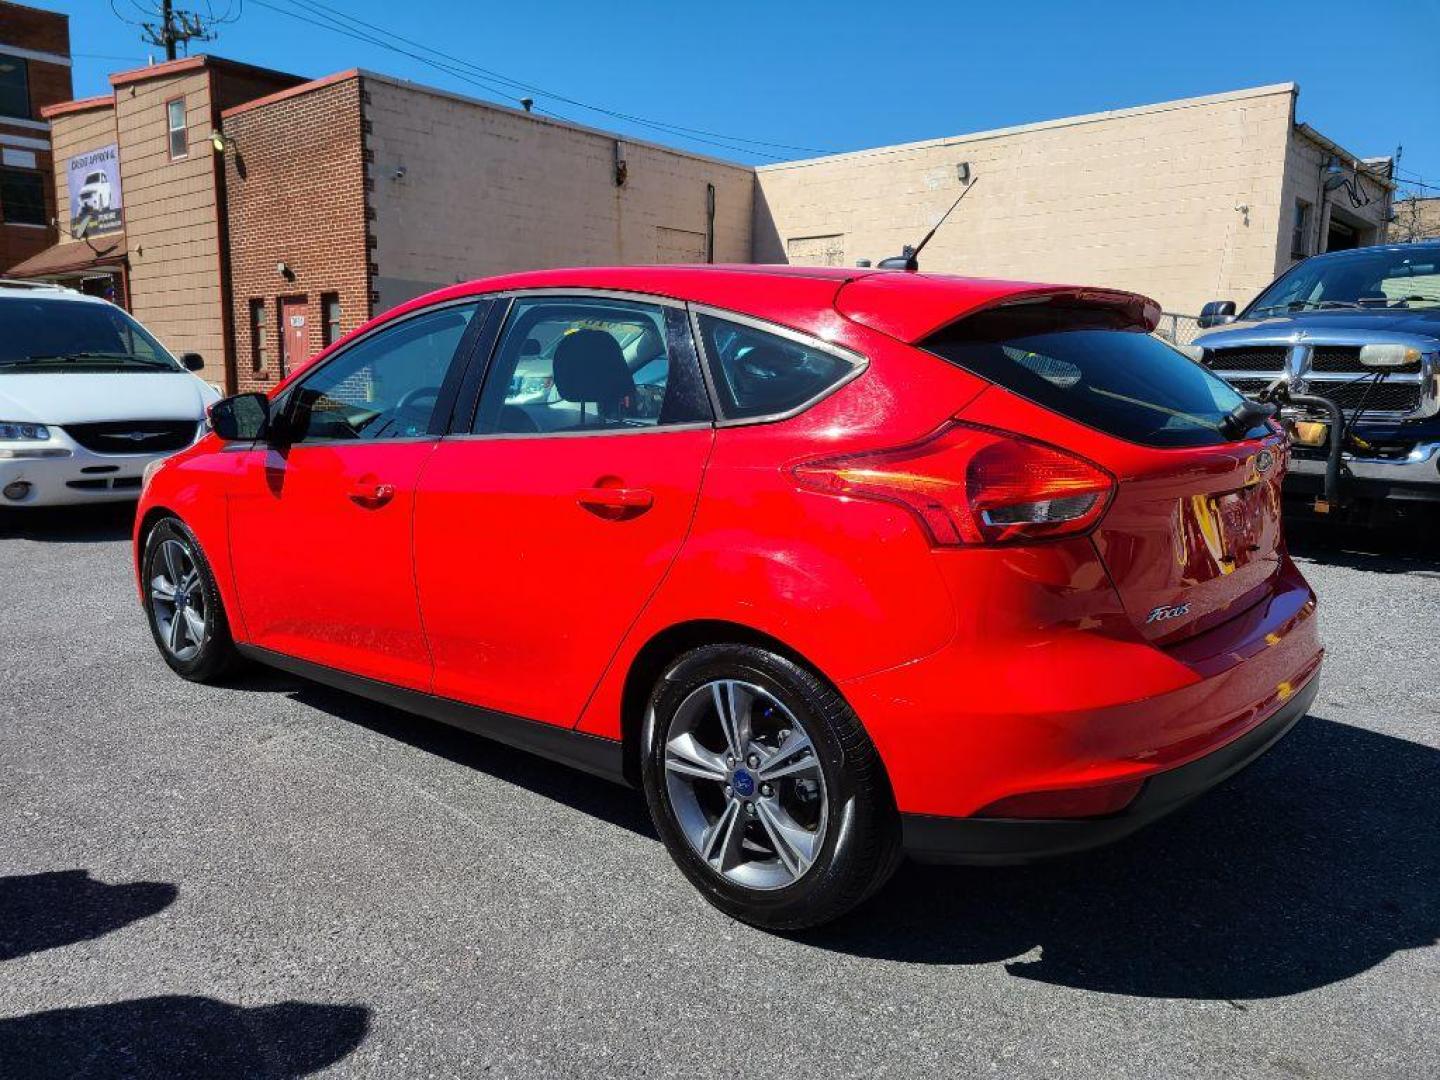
column 192, row 361
column 243, row 418
column 1216, row 313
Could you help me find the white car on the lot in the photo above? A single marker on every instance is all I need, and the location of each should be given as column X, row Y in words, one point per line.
column 88, row 399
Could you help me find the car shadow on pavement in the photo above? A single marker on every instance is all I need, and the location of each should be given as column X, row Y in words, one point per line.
column 602, row 799
column 178, row 1038
column 165, row 1038
column 50, row 910
column 1410, row 548
column 94, row 524
column 1316, row 864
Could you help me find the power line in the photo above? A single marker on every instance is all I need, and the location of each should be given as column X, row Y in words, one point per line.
column 503, row 85
column 561, row 97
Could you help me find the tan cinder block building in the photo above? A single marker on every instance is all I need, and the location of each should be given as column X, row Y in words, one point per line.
column 353, row 193
column 1186, row 201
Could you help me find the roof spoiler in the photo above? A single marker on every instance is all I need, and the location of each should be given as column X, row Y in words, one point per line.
column 911, row 307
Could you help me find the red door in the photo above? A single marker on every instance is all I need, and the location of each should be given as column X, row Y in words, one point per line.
column 294, row 344
column 529, row 575
column 320, row 545
column 319, row 528
column 539, row 540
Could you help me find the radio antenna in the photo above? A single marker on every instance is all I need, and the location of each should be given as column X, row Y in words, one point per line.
column 909, row 257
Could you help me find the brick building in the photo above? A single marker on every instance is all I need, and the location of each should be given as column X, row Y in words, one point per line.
column 140, row 203
column 353, row 193
column 34, row 73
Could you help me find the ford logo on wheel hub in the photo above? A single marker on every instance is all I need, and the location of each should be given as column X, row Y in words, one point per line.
column 743, row 783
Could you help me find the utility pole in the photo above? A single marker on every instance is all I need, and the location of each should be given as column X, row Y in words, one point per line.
column 175, row 28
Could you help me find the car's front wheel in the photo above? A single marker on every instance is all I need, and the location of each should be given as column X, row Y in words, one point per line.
column 765, row 788
column 187, row 617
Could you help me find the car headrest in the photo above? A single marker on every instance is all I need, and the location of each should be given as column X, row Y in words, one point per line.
column 589, row 366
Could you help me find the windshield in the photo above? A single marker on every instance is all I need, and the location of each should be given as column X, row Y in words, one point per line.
column 1378, row 278
column 51, row 334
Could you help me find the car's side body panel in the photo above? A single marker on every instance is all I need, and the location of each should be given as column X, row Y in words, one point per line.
column 525, row 589
column 355, row 608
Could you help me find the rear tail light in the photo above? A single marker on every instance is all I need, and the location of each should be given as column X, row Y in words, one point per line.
column 973, row 485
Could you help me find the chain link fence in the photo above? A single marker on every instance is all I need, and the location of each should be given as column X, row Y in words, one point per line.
column 1177, row 329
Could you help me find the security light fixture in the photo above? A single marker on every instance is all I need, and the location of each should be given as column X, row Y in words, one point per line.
column 220, row 142
column 1334, row 174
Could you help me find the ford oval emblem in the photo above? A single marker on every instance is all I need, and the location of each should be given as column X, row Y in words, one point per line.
column 743, row 783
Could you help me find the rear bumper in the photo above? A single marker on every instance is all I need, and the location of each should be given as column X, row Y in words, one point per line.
column 998, row 841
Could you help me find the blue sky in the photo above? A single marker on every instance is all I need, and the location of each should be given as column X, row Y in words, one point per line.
column 843, row 75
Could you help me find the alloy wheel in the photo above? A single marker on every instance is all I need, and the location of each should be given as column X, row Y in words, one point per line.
column 177, row 599
column 745, row 784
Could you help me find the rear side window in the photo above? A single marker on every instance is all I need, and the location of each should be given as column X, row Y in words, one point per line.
column 1075, row 362
column 760, row 374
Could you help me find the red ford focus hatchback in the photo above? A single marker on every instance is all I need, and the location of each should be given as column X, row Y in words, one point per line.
column 836, row 564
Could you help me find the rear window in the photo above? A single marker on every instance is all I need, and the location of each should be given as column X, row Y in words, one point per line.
column 1079, row 363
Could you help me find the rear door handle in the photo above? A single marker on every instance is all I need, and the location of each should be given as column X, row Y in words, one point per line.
column 371, row 494
column 615, row 502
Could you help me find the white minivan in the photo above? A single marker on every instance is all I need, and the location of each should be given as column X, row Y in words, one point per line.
column 88, row 398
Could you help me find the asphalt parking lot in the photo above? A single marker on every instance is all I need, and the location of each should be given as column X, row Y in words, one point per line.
column 271, row 878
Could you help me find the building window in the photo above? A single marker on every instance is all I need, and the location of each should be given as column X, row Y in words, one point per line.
column 257, row 335
column 1300, row 236
column 14, row 87
column 22, row 197
column 329, row 318
column 175, row 125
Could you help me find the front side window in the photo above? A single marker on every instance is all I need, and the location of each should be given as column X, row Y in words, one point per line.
column 14, row 86
column 591, row 364
column 1079, row 362
column 45, row 334
column 386, row 386
column 22, row 197
column 757, row 373
column 175, row 126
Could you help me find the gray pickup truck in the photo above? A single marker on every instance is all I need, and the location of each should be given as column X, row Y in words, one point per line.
column 1347, row 344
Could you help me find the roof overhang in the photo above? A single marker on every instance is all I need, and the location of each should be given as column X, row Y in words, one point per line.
column 72, row 256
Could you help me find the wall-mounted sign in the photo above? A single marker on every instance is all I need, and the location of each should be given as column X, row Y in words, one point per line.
column 95, row 204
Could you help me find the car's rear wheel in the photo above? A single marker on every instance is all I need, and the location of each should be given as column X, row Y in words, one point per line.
column 765, row 788
column 187, row 617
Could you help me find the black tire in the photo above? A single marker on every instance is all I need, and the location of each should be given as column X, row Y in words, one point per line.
column 861, row 844
column 216, row 654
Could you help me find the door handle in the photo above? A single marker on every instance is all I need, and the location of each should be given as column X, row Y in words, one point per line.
column 615, row 503
column 371, row 494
